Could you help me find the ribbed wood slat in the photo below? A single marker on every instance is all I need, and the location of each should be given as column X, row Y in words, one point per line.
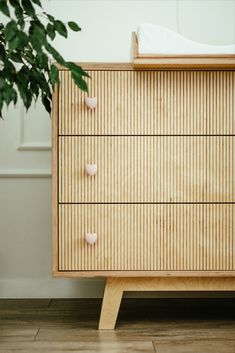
column 186, row 184
column 148, row 237
column 150, row 103
column 148, row 169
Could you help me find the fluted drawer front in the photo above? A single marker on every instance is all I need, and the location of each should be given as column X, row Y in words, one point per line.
column 147, row 237
column 149, row 103
column 147, row 169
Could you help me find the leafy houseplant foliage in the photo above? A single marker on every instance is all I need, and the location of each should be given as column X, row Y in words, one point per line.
column 26, row 54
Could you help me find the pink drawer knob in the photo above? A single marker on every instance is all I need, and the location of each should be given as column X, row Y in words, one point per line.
column 91, row 238
column 91, row 169
column 91, row 102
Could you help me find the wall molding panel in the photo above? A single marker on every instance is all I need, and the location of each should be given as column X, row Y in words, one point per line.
column 29, row 146
column 25, row 173
column 34, row 147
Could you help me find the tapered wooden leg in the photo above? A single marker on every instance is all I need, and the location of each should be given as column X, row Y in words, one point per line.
column 111, row 303
column 115, row 287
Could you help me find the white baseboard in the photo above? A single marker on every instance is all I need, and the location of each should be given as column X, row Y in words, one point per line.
column 82, row 288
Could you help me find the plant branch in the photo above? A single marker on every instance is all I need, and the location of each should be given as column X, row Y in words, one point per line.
column 26, row 54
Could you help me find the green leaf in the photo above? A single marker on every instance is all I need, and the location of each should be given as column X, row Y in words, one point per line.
column 60, row 28
column 28, row 7
column 9, row 94
column 55, row 54
column 30, row 46
column 10, row 30
column 37, row 31
column 74, row 26
column 23, row 76
column 9, row 70
column 34, row 88
column 74, row 67
column 16, row 57
column 79, row 81
column 14, row 97
column 41, row 80
column 54, row 75
column 2, row 82
column 1, row 105
column 19, row 41
column 37, row 45
column 14, row 43
column 4, row 8
column 37, row 34
column 37, row 2
column 47, row 104
column 25, row 95
column 2, row 52
column 50, row 31
column 18, row 11
column 42, row 60
column 51, row 18
column 1, row 32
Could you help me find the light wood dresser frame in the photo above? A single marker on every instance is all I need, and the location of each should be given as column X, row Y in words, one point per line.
column 155, row 276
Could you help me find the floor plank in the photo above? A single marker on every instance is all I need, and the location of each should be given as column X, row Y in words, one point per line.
column 70, row 325
column 80, row 346
column 136, row 335
column 12, row 304
column 17, row 334
column 195, row 346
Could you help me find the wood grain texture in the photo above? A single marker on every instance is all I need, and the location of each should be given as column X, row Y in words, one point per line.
column 185, row 63
column 54, row 182
column 156, row 136
column 190, row 345
column 134, row 44
column 172, row 284
column 110, row 304
column 138, row 237
column 149, row 103
column 147, row 169
column 115, row 287
column 70, row 325
column 145, row 274
column 96, row 66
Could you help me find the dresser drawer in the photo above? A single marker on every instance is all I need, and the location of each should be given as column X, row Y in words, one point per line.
column 147, row 169
column 149, row 103
column 147, row 237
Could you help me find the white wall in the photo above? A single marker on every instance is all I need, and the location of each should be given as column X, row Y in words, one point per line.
column 25, row 190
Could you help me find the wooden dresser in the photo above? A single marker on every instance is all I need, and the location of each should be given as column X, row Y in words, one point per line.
column 162, row 202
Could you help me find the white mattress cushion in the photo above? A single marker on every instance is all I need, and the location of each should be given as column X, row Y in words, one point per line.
column 153, row 39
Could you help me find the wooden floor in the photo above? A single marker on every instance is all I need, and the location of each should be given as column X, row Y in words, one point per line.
column 144, row 325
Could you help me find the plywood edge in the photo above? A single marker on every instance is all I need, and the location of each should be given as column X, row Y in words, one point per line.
column 160, row 63
column 54, row 185
column 141, row 274
column 173, row 284
column 134, row 46
column 112, row 66
column 184, row 63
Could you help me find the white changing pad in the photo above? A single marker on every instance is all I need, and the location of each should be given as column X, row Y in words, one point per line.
column 153, row 39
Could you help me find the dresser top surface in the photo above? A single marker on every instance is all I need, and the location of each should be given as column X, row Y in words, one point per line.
column 122, row 66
